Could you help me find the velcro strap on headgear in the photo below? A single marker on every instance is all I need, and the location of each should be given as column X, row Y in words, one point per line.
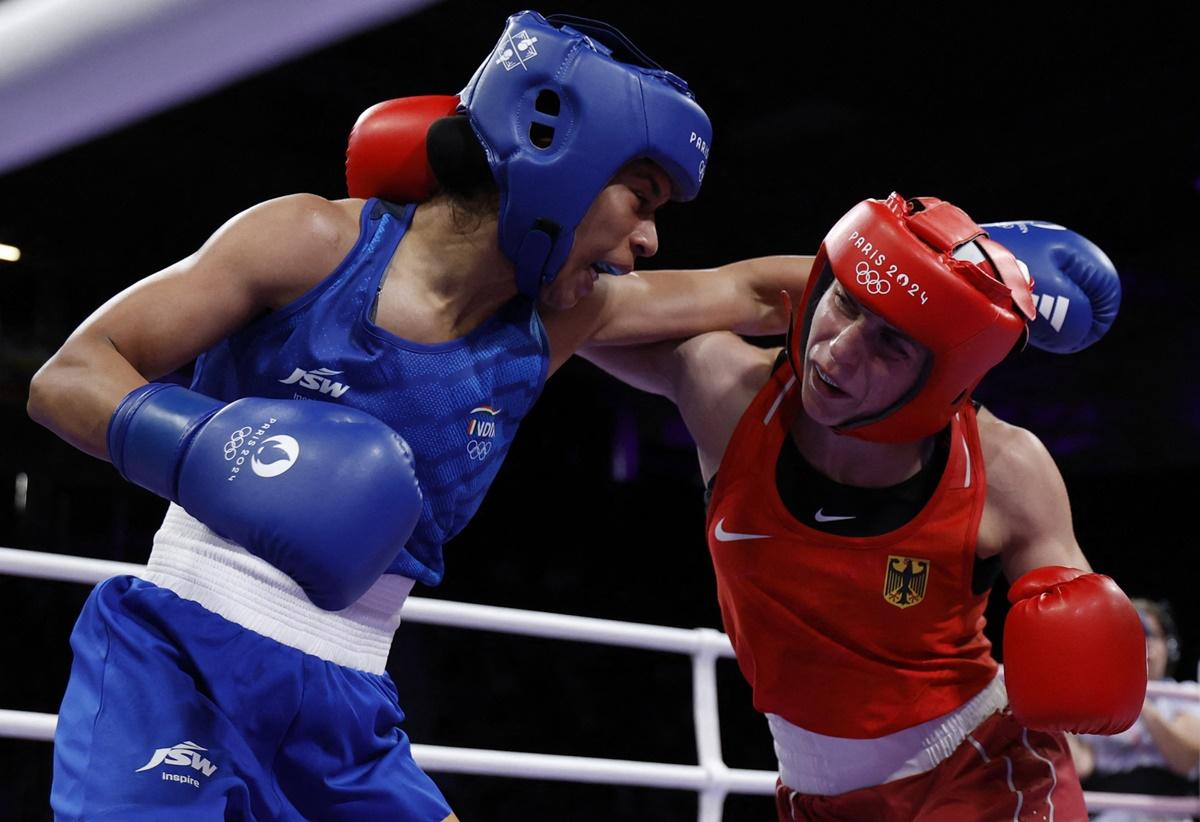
column 1012, row 275
column 942, row 225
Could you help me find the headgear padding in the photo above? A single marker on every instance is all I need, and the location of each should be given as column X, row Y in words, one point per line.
column 560, row 106
column 929, row 271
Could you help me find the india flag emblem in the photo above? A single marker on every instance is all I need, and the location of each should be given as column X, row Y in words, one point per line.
column 484, row 427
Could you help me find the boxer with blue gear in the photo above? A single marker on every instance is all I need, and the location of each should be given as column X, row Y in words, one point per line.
column 341, row 426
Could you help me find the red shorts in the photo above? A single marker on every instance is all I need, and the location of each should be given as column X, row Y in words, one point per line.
column 1002, row 771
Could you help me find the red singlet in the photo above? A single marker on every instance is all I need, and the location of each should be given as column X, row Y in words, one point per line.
column 854, row 637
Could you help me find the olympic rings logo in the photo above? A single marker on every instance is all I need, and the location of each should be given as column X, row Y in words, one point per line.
column 478, row 449
column 236, row 442
column 872, row 279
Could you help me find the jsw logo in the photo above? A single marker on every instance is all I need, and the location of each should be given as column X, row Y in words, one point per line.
column 317, row 380
column 185, row 753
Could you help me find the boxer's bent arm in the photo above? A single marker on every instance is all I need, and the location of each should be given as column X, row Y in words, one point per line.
column 1178, row 739
column 1074, row 651
column 258, row 260
column 650, row 306
column 1028, row 499
column 711, row 378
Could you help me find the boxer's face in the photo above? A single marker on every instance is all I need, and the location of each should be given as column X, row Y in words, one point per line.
column 856, row 364
column 617, row 229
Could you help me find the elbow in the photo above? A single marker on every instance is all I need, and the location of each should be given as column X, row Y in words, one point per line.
column 42, row 393
column 51, row 390
column 74, row 395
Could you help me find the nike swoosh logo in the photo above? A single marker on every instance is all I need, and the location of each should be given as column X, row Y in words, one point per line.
column 731, row 536
column 821, row 516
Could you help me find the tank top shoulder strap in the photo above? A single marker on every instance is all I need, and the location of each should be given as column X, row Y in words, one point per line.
column 760, row 431
column 359, row 274
column 966, row 452
column 382, row 226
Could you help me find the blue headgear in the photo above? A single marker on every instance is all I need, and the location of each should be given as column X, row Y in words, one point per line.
column 560, row 106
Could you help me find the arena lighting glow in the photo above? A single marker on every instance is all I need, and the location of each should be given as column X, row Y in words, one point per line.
column 9, row 253
column 20, row 492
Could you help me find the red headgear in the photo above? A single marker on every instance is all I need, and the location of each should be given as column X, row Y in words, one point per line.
column 929, row 271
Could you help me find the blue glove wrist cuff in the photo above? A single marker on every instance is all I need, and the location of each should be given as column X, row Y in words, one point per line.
column 150, row 430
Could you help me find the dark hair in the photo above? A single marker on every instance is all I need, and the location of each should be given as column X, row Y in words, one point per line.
column 1161, row 611
column 460, row 165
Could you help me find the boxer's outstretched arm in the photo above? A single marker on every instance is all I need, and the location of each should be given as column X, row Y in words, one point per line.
column 711, row 378
column 259, row 259
column 650, row 306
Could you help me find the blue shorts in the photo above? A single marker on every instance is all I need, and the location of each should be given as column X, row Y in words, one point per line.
column 173, row 712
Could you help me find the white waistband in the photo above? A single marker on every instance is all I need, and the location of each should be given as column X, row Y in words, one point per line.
column 828, row 765
column 195, row 563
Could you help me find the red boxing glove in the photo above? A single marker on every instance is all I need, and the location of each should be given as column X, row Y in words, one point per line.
column 1074, row 653
column 386, row 153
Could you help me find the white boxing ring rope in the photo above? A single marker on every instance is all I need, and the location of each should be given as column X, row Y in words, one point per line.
column 711, row 778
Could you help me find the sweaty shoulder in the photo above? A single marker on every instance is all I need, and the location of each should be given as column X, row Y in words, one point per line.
column 286, row 245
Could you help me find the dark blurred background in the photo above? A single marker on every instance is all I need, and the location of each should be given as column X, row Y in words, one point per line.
column 1011, row 113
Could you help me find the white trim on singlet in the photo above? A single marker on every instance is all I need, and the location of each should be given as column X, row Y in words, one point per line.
column 967, row 454
column 813, row 763
column 775, row 405
column 195, row 563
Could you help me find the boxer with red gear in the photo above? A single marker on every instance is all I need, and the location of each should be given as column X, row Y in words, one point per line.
column 860, row 507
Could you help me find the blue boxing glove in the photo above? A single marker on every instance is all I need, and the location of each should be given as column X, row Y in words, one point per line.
column 324, row 493
column 1076, row 288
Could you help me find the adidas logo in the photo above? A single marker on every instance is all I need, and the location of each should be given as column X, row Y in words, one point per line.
column 1053, row 309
